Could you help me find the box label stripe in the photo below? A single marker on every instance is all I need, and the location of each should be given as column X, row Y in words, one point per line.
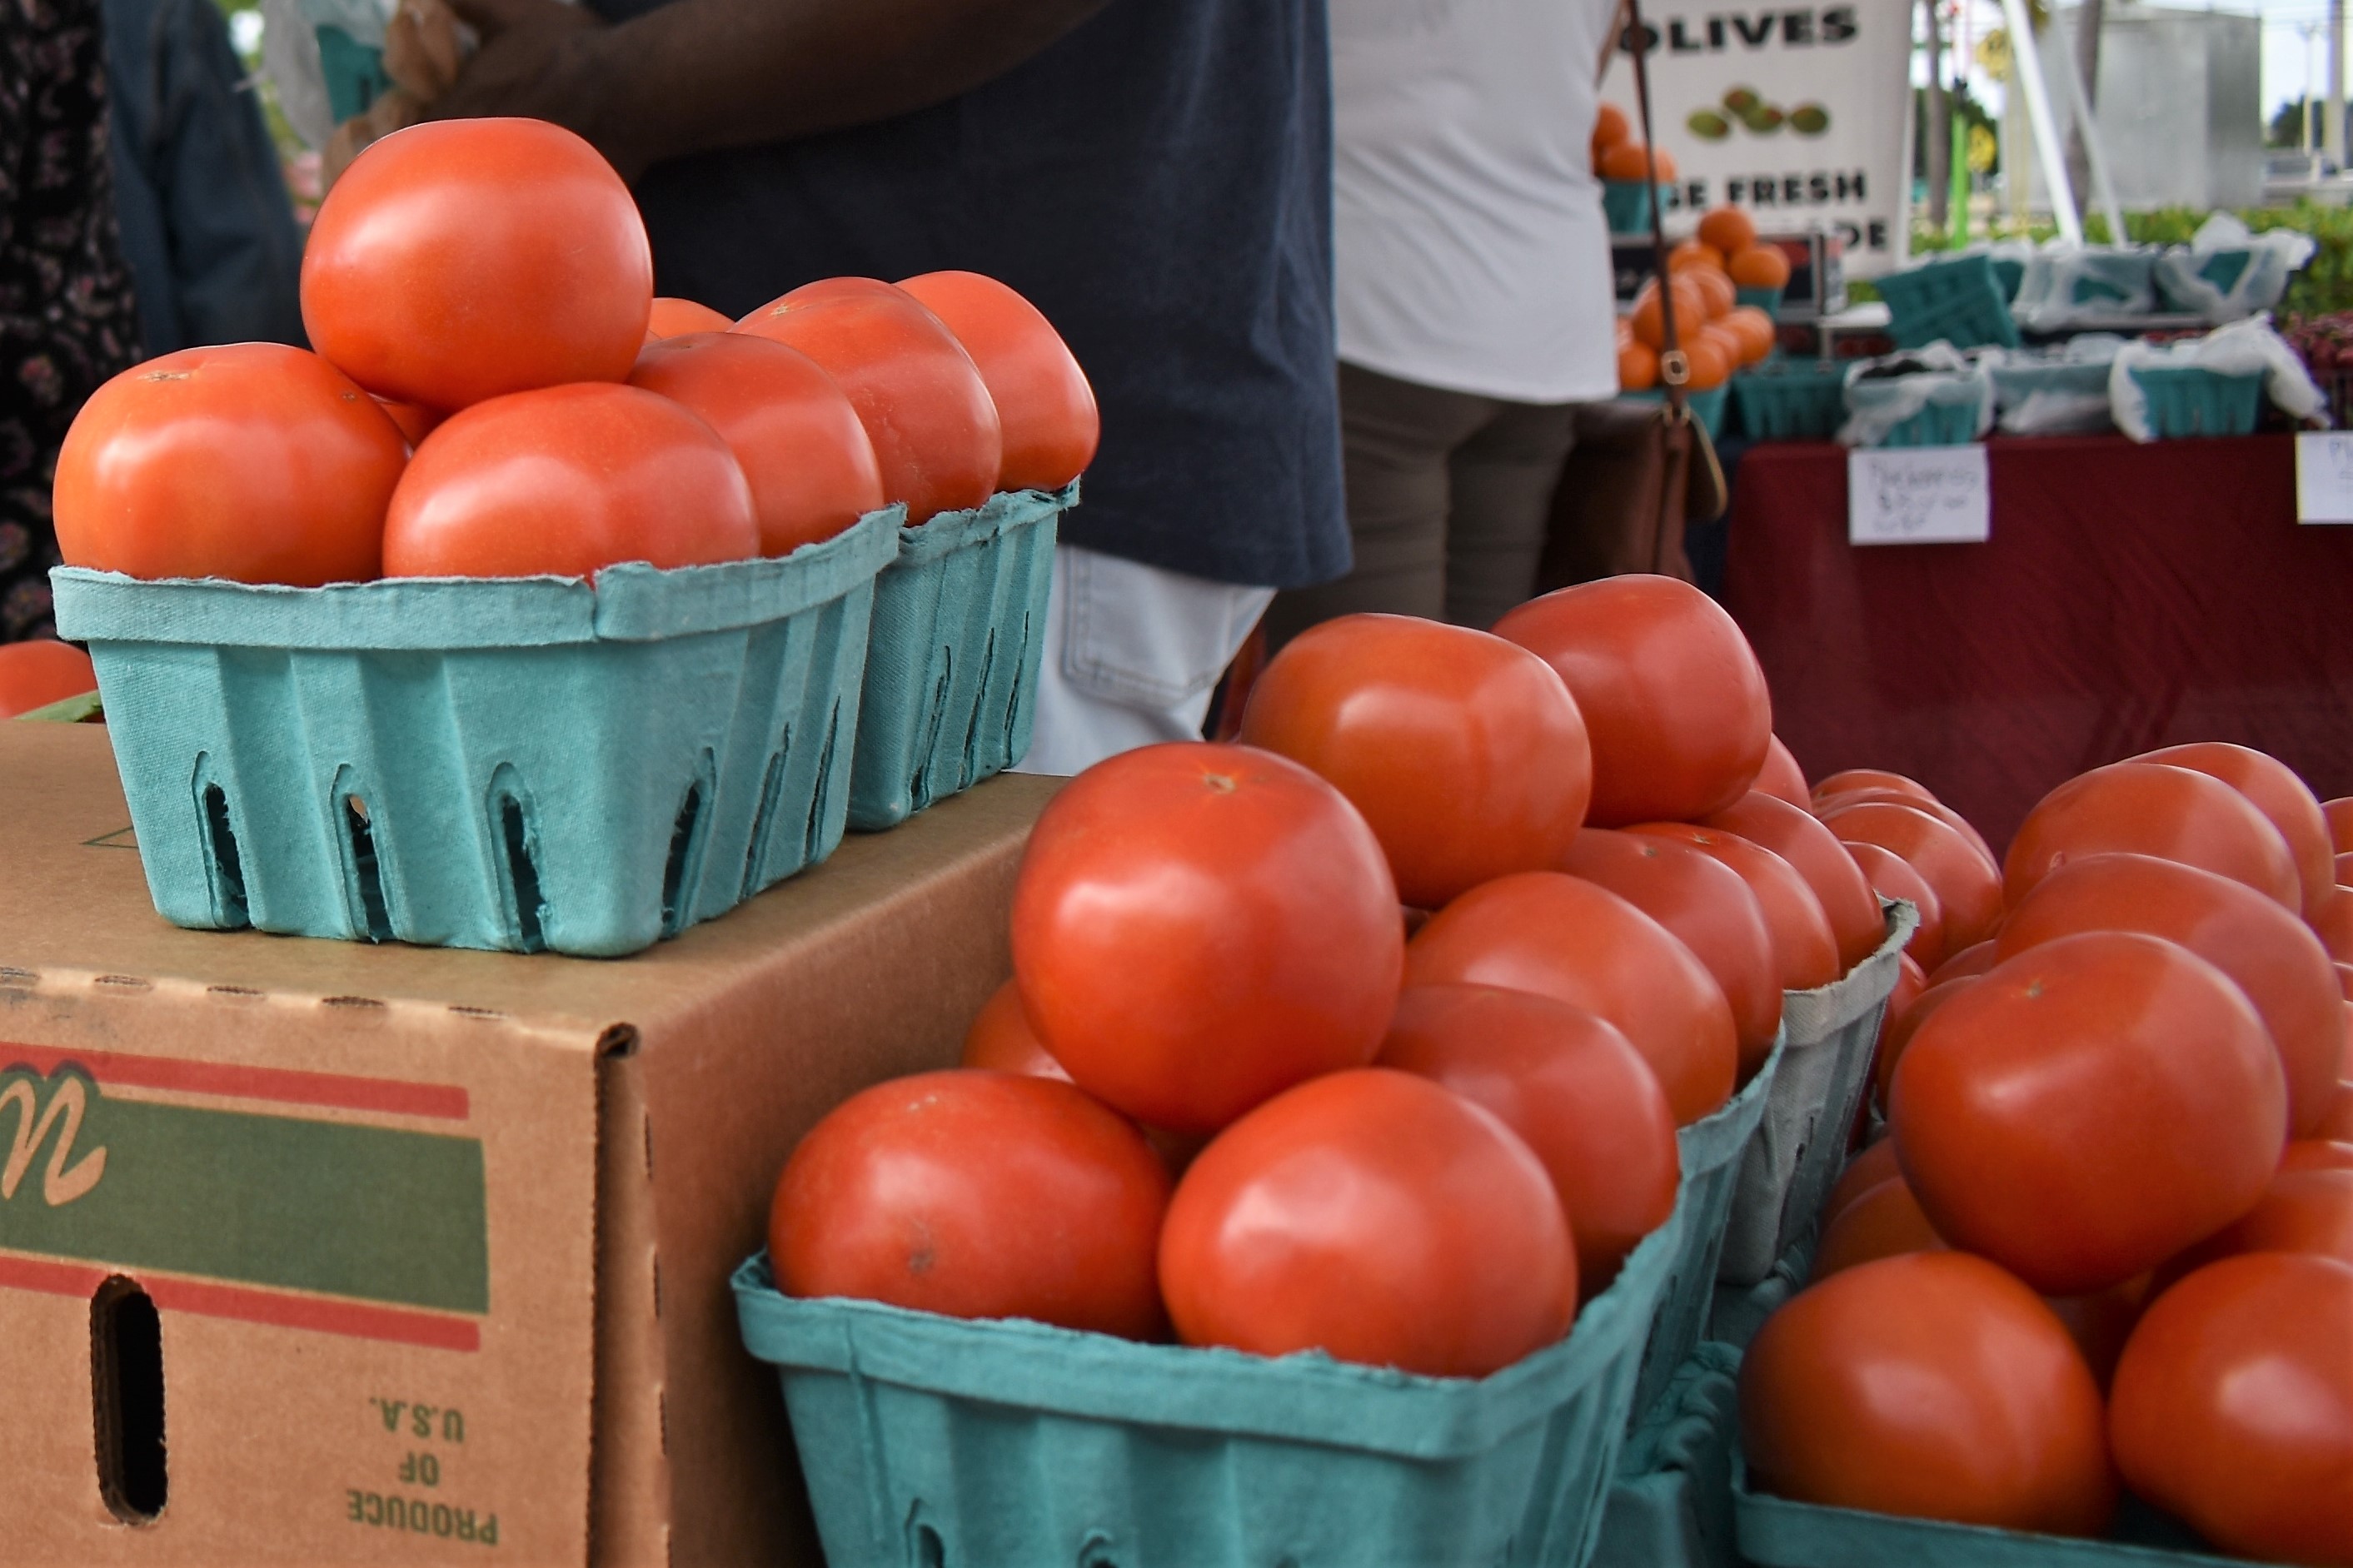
column 389, row 1097
column 349, row 1319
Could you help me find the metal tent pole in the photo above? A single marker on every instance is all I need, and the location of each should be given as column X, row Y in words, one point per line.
column 2048, row 151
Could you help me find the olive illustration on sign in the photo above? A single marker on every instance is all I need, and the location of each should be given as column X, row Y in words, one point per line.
column 1764, row 120
column 1740, row 102
column 1708, row 125
column 1810, row 120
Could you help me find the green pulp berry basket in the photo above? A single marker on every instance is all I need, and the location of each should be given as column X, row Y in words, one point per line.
column 1709, row 406
column 1790, row 400
column 1627, row 205
column 2190, row 400
column 1958, row 300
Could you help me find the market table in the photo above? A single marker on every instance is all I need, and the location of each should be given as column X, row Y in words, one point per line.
column 2131, row 596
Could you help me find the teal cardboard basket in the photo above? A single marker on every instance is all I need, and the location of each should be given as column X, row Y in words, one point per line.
column 952, row 666
column 517, row 763
column 1766, row 300
column 2190, row 400
column 1958, row 300
column 1938, row 424
column 933, row 1442
column 1627, row 205
column 1707, row 405
column 1790, row 400
column 1671, row 1504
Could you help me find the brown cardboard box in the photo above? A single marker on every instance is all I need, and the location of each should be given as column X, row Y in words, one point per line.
column 438, row 1241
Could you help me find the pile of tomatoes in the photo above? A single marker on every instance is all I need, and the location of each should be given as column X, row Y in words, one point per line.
column 2109, row 1237
column 496, row 392
column 1717, row 333
column 1619, row 158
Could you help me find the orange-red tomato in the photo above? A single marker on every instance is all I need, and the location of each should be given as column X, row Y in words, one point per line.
column 802, row 451
column 1781, row 777
column 978, row 1194
column 2345, row 982
column 2089, row 1109
column 461, row 259
column 1902, row 1026
column 2272, row 787
column 1758, row 266
column 2339, row 814
column 1884, row 1221
column 1465, row 753
column 1932, row 1385
column 1712, row 360
column 255, row 462
column 1864, row 1171
column 1648, row 322
column 1910, row 985
column 1718, row 296
column 1375, row 1216
column 677, row 318
column 37, row 673
column 1850, row 781
column 1565, row 938
column 2337, row 1125
column 1575, row 1092
column 1043, row 402
column 1826, row 806
column 1830, row 874
column 2334, row 926
column 2233, row 1407
column 1694, row 253
column 414, row 423
column 1968, row 887
column 2153, row 808
column 566, row 481
column 2316, row 1154
column 1804, row 952
column 1967, row 961
column 1197, row 927
column 2308, row 1210
column 1001, row 1038
column 2102, row 1321
column 1638, row 366
column 1727, row 230
column 1892, row 876
column 1673, row 697
column 1630, row 161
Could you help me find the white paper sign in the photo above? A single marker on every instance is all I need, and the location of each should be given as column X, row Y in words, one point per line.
column 2323, row 476
column 1918, row 495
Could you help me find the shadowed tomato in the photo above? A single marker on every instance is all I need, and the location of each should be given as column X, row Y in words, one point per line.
column 2101, row 1323
column 1672, row 696
column 1566, row 938
column 1931, row 1385
column 255, row 462
column 1804, row 952
column 2151, row 808
column 565, row 480
column 1375, row 1216
column 1862, row 1172
column 1907, row 1024
column 1197, row 927
column 2339, row 814
column 463, row 260
column 414, row 423
column 1043, row 402
column 1892, row 876
column 2302, row 1211
column 2334, row 926
column 1909, row 985
column 802, row 451
column 1967, row 961
column 1968, row 887
column 2316, row 1154
column 1884, row 1221
column 935, row 433
column 1824, row 807
column 677, row 318
column 37, row 673
column 978, row 1194
column 1001, row 1038
column 1464, row 751
column 1852, row 778
column 2088, row 1109
column 1812, row 851
column 2345, row 979
column 2337, row 1125
column 2272, row 787
column 2263, row 949
column 1781, row 778
column 1575, row 1092
column 2233, row 1406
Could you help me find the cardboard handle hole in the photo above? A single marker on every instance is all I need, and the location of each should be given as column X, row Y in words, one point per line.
column 126, row 1356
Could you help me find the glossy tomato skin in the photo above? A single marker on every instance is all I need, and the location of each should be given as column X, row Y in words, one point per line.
column 255, row 462
column 976, row 1194
column 1043, row 402
column 1672, row 696
column 1907, row 1024
column 2308, row 1211
column 678, row 318
column 1572, row 1087
column 1968, row 884
column 1804, row 949
column 1883, row 1222
column 1197, row 927
column 2339, row 814
column 2266, row 952
column 463, row 260
column 1781, row 778
column 2316, row 1154
column 935, row 432
column 2152, row 809
column 2272, row 787
column 1376, row 1217
column 2088, row 1109
column 1565, row 938
column 1892, row 876
column 1849, row 780
column 1824, row 806
column 1001, row 1038
column 414, row 422
column 1874, row 1165
column 2233, row 1406
column 565, row 480
column 1969, row 961
column 1812, row 851
column 1932, row 1385
column 36, row 673
column 1465, row 753
column 803, row 452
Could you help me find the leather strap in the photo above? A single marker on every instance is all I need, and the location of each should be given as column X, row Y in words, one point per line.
column 1674, row 368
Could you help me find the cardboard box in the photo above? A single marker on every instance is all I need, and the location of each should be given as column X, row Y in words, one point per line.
column 436, row 1241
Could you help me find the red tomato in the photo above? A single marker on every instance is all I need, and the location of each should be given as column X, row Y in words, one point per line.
column 2339, row 814
column 2272, row 787
column 1804, row 951
column 2264, row 950
column 1198, row 926
column 2345, row 980
column 2334, row 926
column 2316, row 1154
column 1892, row 876
column 1825, row 807
column 1575, row 1092
column 1812, row 851
column 1569, row 940
column 1931, row 1385
column 2089, row 1109
column 1707, row 907
column 2101, row 1323
column 1852, row 779
column 1968, row 887
column 414, row 423
column 37, row 673
column 2233, row 1406
column 1862, row 1172
column 1464, row 751
column 2337, row 1125
column 1781, row 778
column 1043, row 402
column 1672, row 696
column 1375, row 1216
column 1967, row 961
column 804, row 453
column 920, row 396
column 979, row 1195
column 677, row 318
column 566, row 481
column 1909, row 985
column 1884, row 1221
column 2308, row 1210
column 1001, row 1038
column 461, row 259
column 1902, row 1025
column 2150, row 808
column 256, row 462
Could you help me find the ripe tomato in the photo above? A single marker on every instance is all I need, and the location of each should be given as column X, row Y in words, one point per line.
column 1969, row 961
column 935, row 433
column 2152, row 809
column 2316, row 1154
column 1673, row 697
column 2102, row 1321
column 256, row 462
column 2233, row 1406
column 1375, row 1216
column 1968, row 887
column 803, row 452
column 1569, row 940
column 460, row 259
column 1198, row 926
column 1902, row 1025
column 1001, row 1038
column 1864, row 1171
column 414, row 423
column 37, row 673
column 1825, row 805
column 2334, row 926
column 1804, row 951
column 1909, row 985
column 2302, row 1211
column 677, row 318
column 1892, row 876
column 1043, row 402
column 1727, row 230
column 1884, row 1221
column 2272, row 787
column 1781, row 778
column 979, row 1195
column 1931, row 1385
column 1464, row 751
column 1573, row 1091
column 565, row 480
column 1838, row 884
column 2339, row 814
column 2264, row 950
column 2337, row 1125
column 1849, row 781
column 2089, row 1109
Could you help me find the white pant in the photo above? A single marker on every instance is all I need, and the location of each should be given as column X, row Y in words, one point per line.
column 1131, row 656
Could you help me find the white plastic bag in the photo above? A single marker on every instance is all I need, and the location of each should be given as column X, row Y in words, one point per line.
column 2242, row 347
column 2058, row 391
column 2065, row 284
column 1938, row 373
column 2227, row 273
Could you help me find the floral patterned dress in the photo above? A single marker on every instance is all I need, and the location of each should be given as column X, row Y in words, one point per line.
column 67, row 321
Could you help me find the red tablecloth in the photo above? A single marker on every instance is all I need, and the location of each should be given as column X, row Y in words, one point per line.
column 2130, row 597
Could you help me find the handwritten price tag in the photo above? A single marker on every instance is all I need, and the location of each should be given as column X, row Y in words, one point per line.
column 2323, row 476
column 1918, row 495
